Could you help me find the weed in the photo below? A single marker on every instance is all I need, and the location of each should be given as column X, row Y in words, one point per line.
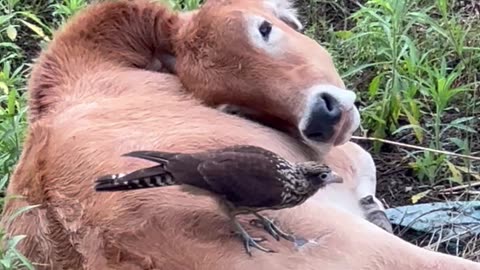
column 67, row 8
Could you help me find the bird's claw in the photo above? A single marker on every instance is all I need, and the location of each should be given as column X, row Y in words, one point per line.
column 266, row 226
column 271, row 228
column 249, row 241
column 255, row 239
column 253, row 242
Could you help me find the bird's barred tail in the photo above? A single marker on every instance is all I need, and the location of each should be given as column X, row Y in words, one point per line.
column 145, row 178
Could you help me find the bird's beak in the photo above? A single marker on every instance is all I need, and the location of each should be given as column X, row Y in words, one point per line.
column 334, row 178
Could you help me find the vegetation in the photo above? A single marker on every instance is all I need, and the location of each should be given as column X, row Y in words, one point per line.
column 415, row 65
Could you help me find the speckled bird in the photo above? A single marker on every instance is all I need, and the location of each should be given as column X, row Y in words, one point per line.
column 246, row 179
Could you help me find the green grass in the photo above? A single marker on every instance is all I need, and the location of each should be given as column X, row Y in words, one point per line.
column 414, row 63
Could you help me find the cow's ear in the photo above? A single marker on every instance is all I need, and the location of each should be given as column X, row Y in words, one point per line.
column 285, row 11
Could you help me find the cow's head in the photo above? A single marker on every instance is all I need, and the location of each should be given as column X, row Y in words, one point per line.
column 252, row 53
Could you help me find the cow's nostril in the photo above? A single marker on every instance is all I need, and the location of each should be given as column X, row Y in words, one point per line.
column 331, row 108
column 357, row 104
column 329, row 101
column 325, row 114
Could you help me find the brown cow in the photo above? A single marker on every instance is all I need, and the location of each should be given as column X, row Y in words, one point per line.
column 93, row 99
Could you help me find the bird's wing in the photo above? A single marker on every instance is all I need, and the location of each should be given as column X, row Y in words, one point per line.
column 247, row 179
column 252, row 149
column 155, row 156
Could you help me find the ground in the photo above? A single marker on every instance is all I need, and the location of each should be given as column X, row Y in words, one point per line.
column 415, row 65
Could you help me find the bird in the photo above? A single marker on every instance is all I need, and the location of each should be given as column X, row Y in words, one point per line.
column 245, row 179
column 374, row 214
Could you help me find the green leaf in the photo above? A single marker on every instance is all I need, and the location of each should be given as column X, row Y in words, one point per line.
column 9, row 45
column 34, row 28
column 415, row 125
column 360, row 35
column 12, row 98
column 474, row 174
column 4, row 87
column 422, row 17
column 415, row 198
column 464, row 128
column 5, row 18
column 462, row 119
column 458, row 142
column 36, row 19
column 11, row 32
column 3, row 181
column 417, row 129
column 456, row 174
column 24, row 260
column 344, row 34
column 6, row 69
column 361, row 67
column 374, row 85
column 443, row 6
column 21, row 211
column 378, row 119
column 7, row 263
column 13, row 242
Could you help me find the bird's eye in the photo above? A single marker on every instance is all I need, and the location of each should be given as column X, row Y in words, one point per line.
column 323, row 176
column 265, row 29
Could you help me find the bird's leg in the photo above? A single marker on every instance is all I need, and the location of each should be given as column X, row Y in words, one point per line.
column 247, row 239
column 271, row 228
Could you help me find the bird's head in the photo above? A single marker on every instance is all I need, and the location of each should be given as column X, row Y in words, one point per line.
column 319, row 174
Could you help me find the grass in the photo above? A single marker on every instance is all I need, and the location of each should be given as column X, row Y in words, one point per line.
column 415, row 65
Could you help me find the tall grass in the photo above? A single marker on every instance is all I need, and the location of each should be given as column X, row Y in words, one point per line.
column 21, row 29
column 415, row 64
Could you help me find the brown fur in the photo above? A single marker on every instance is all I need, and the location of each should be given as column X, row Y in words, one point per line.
column 93, row 99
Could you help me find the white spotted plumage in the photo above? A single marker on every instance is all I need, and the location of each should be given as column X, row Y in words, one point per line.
column 294, row 182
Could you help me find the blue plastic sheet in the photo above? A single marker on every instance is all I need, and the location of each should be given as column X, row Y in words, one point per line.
column 461, row 216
